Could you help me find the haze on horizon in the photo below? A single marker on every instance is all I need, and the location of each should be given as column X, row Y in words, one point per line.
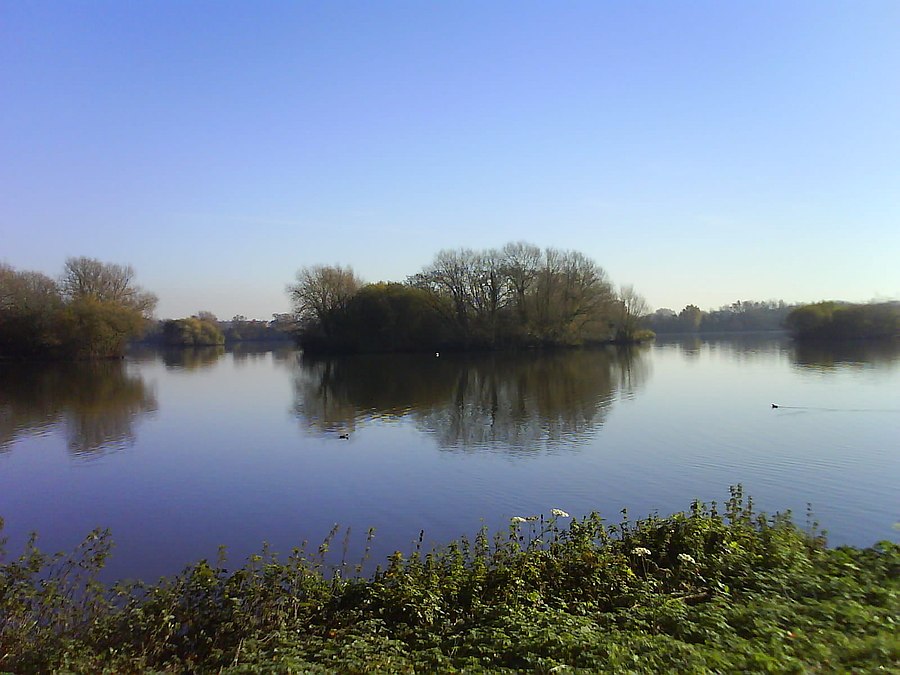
column 705, row 153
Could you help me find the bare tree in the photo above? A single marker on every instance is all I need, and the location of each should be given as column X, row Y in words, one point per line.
column 587, row 295
column 451, row 275
column 89, row 278
column 521, row 292
column 632, row 308
column 476, row 285
column 521, row 262
column 571, row 298
column 490, row 291
column 207, row 316
column 320, row 291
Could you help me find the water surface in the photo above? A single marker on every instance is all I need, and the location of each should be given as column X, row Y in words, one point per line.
column 178, row 452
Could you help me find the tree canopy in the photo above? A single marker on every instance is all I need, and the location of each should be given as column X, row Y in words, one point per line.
column 844, row 321
column 194, row 331
column 320, row 293
column 91, row 311
column 518, row 295
column 107, row 282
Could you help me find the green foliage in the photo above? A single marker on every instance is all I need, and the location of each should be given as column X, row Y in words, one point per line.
column 46, row 600
column 642, row 335
column 840, row 321
column 390, row 318
column 91, row 312
column 517, row 296
column 192, row 332
column 94, row 328
column 695, row 592
column 203, row 330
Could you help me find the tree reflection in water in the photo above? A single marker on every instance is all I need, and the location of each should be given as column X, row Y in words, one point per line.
column 740, row 347
column 96, row 403
column 830, row 357
column 192, row 358
column 516, row 402
column 243, row 353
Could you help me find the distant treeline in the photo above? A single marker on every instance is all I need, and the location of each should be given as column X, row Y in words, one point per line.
column 90, row 311
column 517, row 296
column 843, row 321
column 741, row 316
column 205, row 329
column 94, row 309
column 829, row 321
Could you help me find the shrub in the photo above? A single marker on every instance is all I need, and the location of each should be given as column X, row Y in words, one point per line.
column 696, row 591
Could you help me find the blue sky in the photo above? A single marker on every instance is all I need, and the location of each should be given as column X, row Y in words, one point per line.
column 703, row 151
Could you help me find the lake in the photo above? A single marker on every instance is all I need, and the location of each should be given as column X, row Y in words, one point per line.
column 179, row 452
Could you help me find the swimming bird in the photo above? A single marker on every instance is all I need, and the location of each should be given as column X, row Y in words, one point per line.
column 344, row 436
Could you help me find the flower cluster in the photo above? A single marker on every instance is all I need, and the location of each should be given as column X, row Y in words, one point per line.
column 641, row 551
column 525, row 519
column 559, row 513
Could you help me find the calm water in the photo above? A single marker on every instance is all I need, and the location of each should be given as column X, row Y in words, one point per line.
column 180, row 452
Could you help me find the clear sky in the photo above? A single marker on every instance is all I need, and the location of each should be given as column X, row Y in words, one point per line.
column 703, row 151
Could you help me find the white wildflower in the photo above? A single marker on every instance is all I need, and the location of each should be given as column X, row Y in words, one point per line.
column 685, row 558
column 518, row 519
column 559, row 513
column 531, row 519
column 640, row 551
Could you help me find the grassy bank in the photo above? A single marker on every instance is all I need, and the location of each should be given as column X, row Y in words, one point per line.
column 714, row 588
